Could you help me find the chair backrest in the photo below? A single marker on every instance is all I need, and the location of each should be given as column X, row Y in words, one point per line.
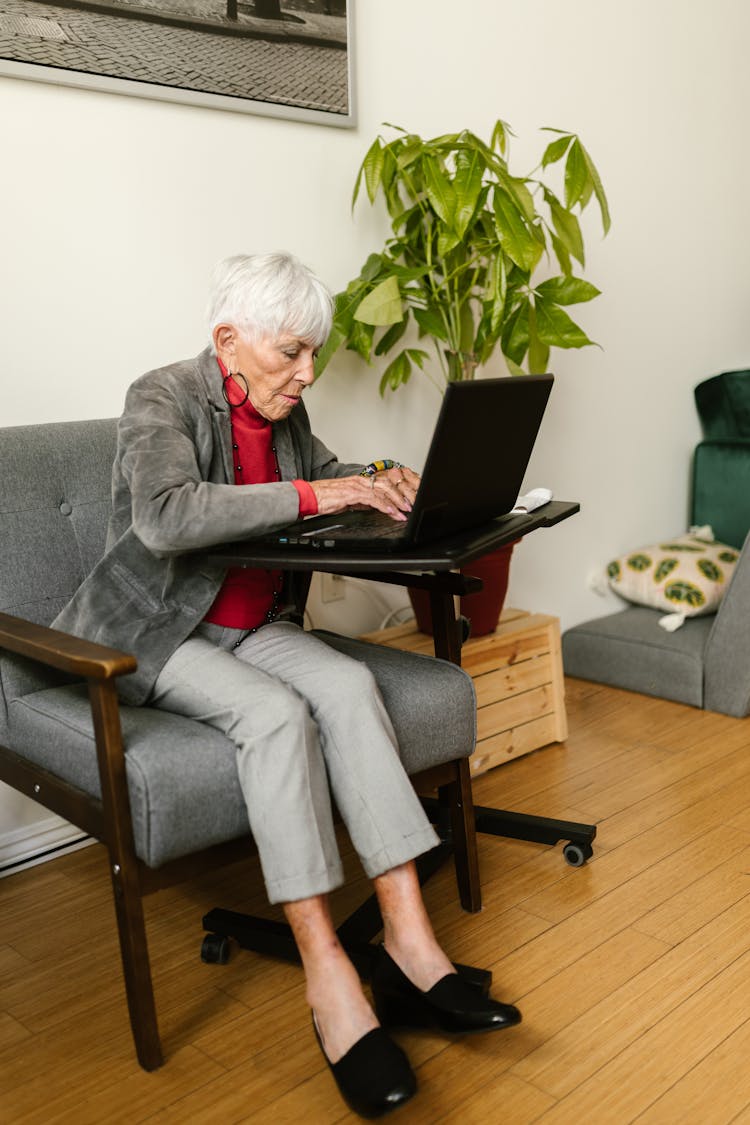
column 723, row 405
column 721, row 463
column 55, row 501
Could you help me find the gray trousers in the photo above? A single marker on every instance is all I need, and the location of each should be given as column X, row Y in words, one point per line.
column 307, row 722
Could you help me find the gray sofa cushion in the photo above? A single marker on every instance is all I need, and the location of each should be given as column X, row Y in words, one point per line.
column 630, row 650
column 182, row 777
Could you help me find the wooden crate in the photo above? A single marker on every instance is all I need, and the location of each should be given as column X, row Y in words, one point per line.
column 518, row 679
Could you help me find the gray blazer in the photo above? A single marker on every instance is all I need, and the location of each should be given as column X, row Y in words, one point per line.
column 173, row 493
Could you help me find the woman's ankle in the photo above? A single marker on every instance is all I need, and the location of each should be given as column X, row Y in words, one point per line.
column 423, row 963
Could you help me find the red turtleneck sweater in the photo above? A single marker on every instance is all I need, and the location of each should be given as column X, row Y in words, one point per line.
column 247, row 597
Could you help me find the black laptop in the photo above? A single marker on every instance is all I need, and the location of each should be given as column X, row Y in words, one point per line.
column 475, row 465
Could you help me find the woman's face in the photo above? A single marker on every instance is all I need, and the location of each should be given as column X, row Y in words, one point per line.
column 277, row 370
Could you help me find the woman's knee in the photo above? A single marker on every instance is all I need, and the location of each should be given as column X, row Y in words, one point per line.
column 352, row 681
column 280, row 712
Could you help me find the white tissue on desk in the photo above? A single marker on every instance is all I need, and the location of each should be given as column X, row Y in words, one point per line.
column 532, row 500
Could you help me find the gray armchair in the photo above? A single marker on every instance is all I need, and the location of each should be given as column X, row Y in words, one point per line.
column 159, row 790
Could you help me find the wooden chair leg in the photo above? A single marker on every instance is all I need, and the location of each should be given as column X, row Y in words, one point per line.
column 457, row 796
column 136, row 967
column 124, row 873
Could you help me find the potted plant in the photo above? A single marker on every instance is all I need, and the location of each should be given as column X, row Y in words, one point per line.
column 470, row 264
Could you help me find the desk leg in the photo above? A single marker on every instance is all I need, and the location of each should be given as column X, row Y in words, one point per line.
column 457, row 796
column 445, row 626
column 496, row 822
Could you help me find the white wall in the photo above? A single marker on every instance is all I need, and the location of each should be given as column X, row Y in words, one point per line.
column 115, row 208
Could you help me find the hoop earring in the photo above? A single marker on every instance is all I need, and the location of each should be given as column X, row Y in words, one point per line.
column 237, row 376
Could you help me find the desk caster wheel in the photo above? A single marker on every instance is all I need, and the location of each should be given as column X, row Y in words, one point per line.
column 215, row 949
column 575, row 855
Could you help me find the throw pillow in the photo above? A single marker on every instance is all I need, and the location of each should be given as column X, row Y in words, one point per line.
column 685, row 576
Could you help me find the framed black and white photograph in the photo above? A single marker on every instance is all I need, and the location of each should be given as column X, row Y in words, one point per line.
column 283, row 58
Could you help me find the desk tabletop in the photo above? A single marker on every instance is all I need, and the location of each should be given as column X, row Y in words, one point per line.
column 443, row 555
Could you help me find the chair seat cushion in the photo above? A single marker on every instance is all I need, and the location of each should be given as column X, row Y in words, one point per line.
column 630, row 650
column 182, row 777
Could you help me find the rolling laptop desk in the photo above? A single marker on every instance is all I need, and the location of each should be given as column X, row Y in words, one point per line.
column 433, row 568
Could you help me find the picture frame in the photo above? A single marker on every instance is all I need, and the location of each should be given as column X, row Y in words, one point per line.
column 298, row 67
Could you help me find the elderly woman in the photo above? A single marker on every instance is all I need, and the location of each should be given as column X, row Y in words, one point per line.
column 218, row 448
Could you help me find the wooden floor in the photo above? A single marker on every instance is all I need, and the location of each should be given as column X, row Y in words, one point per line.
column 633, row 973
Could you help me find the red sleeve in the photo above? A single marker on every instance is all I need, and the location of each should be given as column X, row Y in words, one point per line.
column 308, row 505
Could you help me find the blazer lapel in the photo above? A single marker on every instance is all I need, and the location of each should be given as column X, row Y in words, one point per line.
column 220, row 421
column 282, row 438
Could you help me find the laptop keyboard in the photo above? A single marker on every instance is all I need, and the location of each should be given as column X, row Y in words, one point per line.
column 371, row 524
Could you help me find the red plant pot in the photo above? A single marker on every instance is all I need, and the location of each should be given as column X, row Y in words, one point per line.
column 483, row 608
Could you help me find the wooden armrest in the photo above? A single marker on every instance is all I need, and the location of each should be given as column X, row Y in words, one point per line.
column 63, row 651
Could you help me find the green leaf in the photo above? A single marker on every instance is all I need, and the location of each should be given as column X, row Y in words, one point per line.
column 359, row 339
column 335, row 339
column 538, row 350
column 406, row 273
column 418, row 356
column 515, row 338
column 586, row 193
column 523, row 197
column 371, row 268
column 396, row 373
column 513, row 368
column 555, row 150
column 431, row 322
column 401, row 216
column 576, row 174
column 391, row 336
column 409, row 150
column 447, row 241
column 514, row 235
column 497, row 289
column 538, row 357
column 567, row 290
column 440, row 192
column 373, row 166
column 390, row 181
column 467, row 185
column 357, row 183
column 556, row 328
column 382, row 305
column 499, row 139
column 562, row 255
column 345, row 303
column 598, row 190
column 567, row 227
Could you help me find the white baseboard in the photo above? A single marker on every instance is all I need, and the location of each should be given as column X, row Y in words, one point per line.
column 38, row 842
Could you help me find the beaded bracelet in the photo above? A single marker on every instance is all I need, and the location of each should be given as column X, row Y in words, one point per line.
column 379, row 466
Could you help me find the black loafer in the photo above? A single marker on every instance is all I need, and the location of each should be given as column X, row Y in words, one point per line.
column 374, row 1076
column 453, row 1004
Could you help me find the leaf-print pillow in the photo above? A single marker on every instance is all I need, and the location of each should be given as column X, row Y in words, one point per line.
column 686, row 575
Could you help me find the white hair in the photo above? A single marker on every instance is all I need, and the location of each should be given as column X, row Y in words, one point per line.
column 269, row 295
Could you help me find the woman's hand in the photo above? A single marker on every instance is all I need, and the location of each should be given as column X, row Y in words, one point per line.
column 391, row 491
